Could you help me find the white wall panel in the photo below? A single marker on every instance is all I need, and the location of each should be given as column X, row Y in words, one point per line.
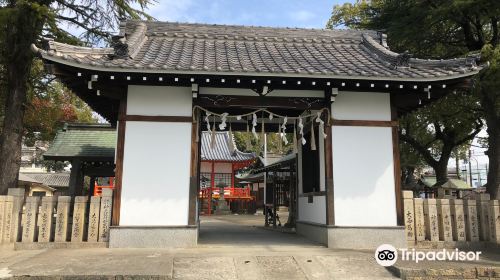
column 312, row 212
column 363, row 174
column 155, row 188
column 159, row 101
column 351, row 105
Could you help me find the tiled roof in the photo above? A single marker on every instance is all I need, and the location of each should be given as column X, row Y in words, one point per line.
column 166, row 47
column 94, row 141
column 49, row 179
column 222, row 150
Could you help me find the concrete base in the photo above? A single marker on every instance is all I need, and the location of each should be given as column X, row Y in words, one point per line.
column 365, row 237
column 312, row 231
column 352, row 237
column 153, row 237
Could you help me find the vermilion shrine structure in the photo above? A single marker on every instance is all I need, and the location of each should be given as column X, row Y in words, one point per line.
column 339, row 91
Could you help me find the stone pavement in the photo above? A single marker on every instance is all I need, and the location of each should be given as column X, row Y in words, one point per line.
column 231, row 247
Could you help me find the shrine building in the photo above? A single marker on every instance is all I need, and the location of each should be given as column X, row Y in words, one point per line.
column 338, row 93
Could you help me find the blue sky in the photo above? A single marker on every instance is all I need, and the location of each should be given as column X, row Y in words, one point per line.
column 283, row 13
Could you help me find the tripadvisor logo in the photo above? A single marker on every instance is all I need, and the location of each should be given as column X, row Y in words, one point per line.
column 387, row 255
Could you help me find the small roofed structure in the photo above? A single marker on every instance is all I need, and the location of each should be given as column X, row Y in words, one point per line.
column 44, row 184
column 90, row 148
column 452, row 188
column 220, row 159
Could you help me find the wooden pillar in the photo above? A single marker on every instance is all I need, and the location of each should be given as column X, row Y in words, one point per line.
column 117, row 193
column 194, row 174
column 75, row 178
column 232, row 175
column 397, row 169
column 330, row 210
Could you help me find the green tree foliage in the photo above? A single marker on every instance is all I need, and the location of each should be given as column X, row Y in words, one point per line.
column 440, row 29
column 436, row 130
column 273, row 143
column 23, row 23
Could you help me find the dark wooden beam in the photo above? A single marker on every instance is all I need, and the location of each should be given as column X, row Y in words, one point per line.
column 194, row 173
column 120, row 147
column 393, row 123
column 330, row 203
column 397, row 171
column 140, row 118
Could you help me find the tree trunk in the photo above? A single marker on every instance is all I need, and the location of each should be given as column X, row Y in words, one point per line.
column 493, row 185
column 441, row 173
column 24, row 25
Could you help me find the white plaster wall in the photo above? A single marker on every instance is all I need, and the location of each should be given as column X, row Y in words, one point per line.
column 155, row 187
column 159, row 101
column 350, row 105
column 156, row 163
column 312, row 212
column 363, row 174
column 249, row 92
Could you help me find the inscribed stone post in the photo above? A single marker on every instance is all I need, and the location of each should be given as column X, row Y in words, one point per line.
column 45, row 219
column 3, row 199
column 431, row 220
column 495, row 221
column 105, row 215
column 7, row 218
column 471, row 222
column 79, row 211
column 63, row 207
column 30, row 219
column 419, row 219
column 95, row 205
column 458, row 219
column 483, row 210
column 409, row 215
column 17, row 210
column 444, row 215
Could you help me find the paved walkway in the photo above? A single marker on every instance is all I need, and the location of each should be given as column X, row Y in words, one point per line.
column 231, row 247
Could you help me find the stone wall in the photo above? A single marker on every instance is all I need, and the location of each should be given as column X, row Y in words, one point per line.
column 430, row 221
column 48, row 220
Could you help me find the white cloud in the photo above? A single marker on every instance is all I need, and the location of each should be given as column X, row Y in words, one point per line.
column 172, row 10
column 302, row 15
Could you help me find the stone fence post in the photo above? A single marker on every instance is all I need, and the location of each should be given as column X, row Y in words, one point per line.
column 409, row 216
column 17, row 210
column 105, row 214
column 95, row 208
column 63, row 208
column 79, row 211
column 471, row 222
column 431, row 220
column 495, row 221
column 45, row 218
column 444, row 214
column 457, row 219
column 30, row 221
column 483, row 209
